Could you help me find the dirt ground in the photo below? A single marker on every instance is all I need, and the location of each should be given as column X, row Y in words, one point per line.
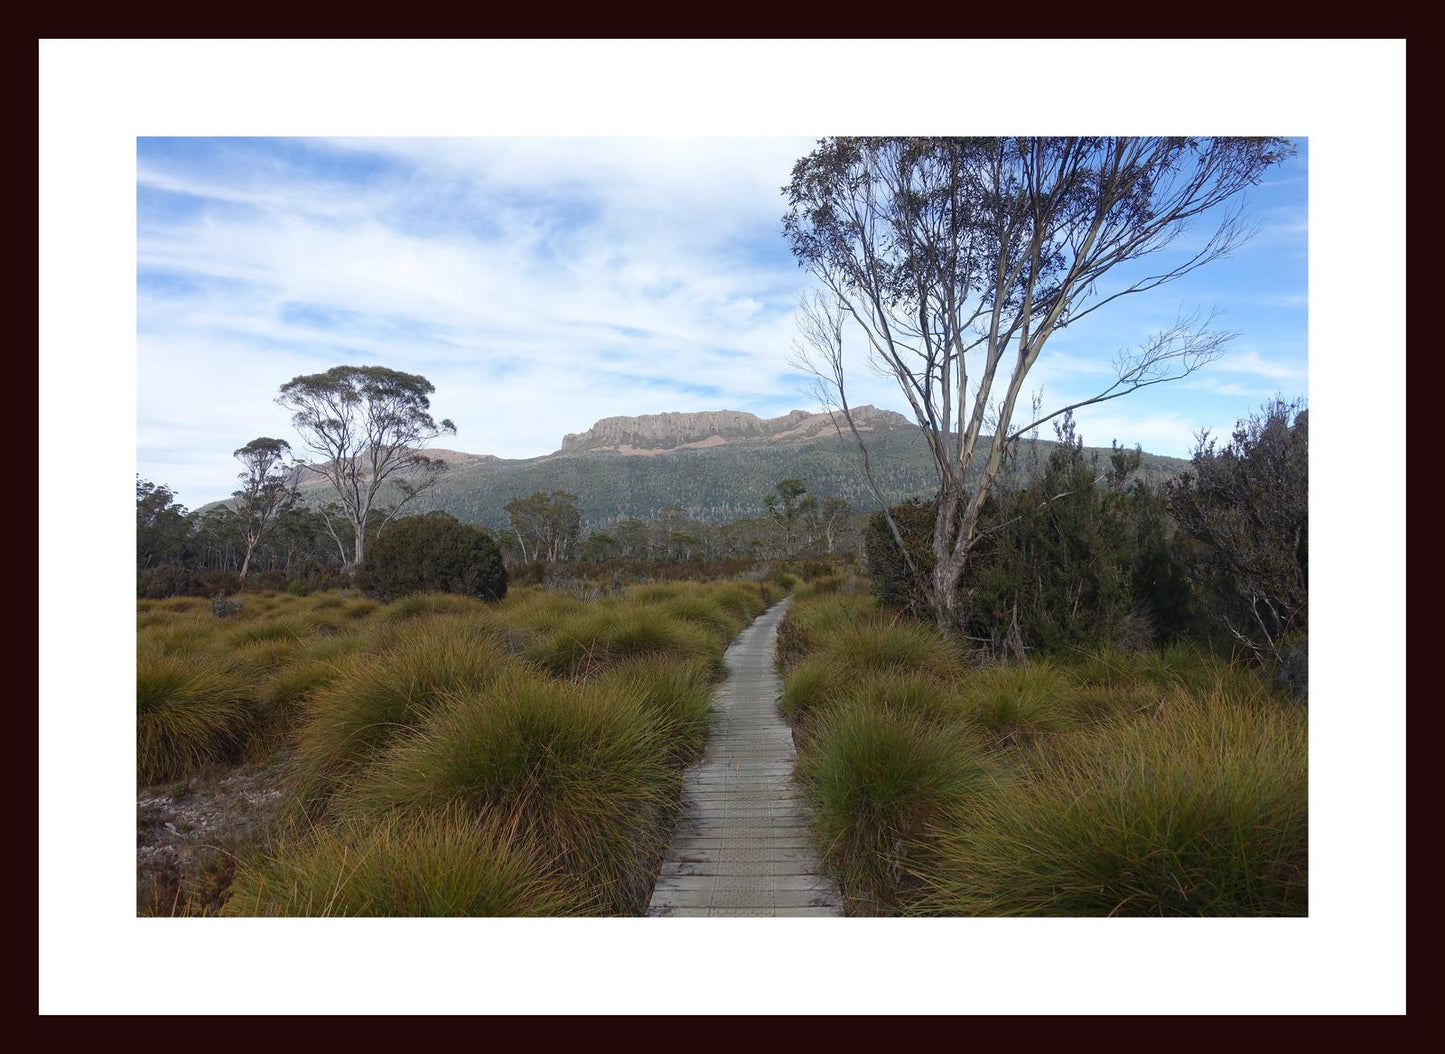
column 188, row 835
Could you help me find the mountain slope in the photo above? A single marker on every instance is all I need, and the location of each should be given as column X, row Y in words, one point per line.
column 718, row 466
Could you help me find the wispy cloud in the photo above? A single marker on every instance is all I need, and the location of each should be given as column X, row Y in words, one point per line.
column 540, row 284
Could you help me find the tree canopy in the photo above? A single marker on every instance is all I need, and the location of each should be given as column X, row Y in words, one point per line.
column 368, row 426
column 956, row 259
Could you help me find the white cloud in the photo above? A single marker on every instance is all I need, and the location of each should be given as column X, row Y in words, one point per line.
column 613, row 274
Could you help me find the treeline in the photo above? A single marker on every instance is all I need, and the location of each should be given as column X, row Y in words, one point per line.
column 1085, row 554
column 203, row 553
column 548, row 528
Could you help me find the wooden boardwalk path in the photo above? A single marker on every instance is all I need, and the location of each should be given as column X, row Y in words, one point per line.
column 742, row 846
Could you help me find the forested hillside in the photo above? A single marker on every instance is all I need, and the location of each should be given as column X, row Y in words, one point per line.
column 715, row 484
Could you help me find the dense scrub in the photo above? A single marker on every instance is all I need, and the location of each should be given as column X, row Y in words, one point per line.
column 434, row 553
column 1081, row 553
column 1096, row 782
column 442, row 755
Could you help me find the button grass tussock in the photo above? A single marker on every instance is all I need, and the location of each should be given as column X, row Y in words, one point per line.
column 1100, row 782
column 438, row 755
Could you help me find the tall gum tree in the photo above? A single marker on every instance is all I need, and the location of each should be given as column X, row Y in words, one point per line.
column 957, row 259
column 267, row 489
column 368, row 426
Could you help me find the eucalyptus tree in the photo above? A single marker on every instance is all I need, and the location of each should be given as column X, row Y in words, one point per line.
column 546, row 526
column 956, row 260
column 368, row 426
column 789, row 503
column 267, row 487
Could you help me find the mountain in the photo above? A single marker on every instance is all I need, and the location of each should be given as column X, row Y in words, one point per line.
column 717, row 466
column 654, row 433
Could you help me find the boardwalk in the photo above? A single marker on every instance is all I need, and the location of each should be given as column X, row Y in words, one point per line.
column 741, row 847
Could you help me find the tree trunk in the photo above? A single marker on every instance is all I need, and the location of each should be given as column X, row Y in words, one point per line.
column 360, row 544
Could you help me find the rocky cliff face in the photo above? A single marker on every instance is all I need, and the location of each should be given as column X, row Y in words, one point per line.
column 651, row 433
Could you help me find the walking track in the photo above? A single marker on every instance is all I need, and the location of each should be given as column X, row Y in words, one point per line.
column 742, row 846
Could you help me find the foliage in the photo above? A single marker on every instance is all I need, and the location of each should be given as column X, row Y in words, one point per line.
column 789, row 503
column 953, row 256
column 162, row 533
column 1246, row 507
column 1106, row 782
column 266, row 489
column 1078, row 556
column 1075, row 555
column 895, row 583
column 367, row 425
column 434, row 553
column 222, row 607
column 546, row 526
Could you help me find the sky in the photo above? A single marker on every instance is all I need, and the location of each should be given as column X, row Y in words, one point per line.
column 543, row 283
column 99, row 98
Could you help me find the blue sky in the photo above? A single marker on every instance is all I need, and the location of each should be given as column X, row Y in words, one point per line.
column 541, row 284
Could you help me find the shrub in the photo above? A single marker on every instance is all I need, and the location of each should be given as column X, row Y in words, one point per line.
column 434, row 553
column 166, row 580
column 893, row 583
column 528, row 574
column 221, row 607
column 443, row 865
column 224, row 582
column 1246, row 508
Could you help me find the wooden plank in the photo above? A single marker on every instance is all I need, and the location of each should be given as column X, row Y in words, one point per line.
column 744, row 845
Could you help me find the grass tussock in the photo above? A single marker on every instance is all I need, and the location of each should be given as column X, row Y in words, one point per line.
column 444, row 756
column 579, row 769
column 1200, row 810
column 879, row 778
column 1011, row 703
column 677, row 697
column 439, row 865
column 1109, row 782
column 375, row 698
column 190, row 712
column 421, row 605
column 599, row 639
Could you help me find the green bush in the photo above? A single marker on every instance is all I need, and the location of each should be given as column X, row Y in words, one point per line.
column 893, row 583
column 434, row 553
column 1245, row 508
column 167, row 580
